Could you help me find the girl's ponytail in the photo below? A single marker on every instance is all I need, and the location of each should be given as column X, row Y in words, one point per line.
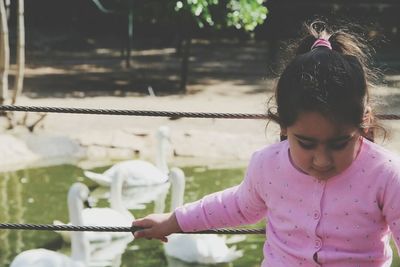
column 330, row 73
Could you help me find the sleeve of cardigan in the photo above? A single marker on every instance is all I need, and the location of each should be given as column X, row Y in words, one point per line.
column 234, row 206
column 391, row 204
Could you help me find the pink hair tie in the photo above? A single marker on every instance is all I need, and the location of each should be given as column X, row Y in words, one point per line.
column 321, row 42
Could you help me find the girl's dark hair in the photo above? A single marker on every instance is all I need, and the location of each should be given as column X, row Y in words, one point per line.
column 333, row 82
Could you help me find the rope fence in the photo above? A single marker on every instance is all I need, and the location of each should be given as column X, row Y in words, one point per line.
column 148, row 113
column 132, row 229
column 152, row 113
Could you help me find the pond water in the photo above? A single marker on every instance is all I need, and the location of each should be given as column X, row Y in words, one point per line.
column 39, row 196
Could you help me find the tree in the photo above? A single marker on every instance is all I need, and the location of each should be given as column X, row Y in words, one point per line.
column 244, row 15
column 124, row 8
column 240, row 14
column 4, row 53
column 20, row 62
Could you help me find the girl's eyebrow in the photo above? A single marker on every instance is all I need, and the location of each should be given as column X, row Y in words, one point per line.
column 305, row 138
column 336, row 139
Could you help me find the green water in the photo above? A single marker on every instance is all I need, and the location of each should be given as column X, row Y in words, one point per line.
column 39, row 196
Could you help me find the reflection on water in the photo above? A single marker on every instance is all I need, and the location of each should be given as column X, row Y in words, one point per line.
column 39, row 196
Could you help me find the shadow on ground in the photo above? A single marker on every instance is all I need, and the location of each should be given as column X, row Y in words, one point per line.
column 68, row 68
column 101, row 71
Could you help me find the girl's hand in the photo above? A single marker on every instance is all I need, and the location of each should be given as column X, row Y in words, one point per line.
column 157, row 226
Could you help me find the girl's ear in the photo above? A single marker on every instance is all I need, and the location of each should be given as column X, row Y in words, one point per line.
column 367, row 119
column 367, row 122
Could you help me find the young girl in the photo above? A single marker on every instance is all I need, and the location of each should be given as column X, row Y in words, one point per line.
column 330, row 196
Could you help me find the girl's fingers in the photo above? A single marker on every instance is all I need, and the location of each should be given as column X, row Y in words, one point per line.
column 151, row 226
column 149, row 234
column 139, row 234
column 143, row 233
column 144, row 223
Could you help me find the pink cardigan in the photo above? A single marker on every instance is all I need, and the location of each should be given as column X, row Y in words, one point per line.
column 345, row 221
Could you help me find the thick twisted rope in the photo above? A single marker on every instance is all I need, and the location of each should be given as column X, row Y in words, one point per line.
column 153, row 113
column 149, row 113
column 132, row 229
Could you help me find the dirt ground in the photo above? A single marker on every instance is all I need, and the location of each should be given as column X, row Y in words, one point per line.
column 224, row 76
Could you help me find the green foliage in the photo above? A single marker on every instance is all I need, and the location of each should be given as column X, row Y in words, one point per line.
column 200, row 9
column 246, row 14
column 241, row 14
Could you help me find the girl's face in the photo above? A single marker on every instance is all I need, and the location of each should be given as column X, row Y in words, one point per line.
column 320, row 147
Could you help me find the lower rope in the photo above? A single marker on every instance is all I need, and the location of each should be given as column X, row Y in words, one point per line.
column 132, row 229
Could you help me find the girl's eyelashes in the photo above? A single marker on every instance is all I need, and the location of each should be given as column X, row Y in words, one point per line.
column 307, row 145
column 334, row 146
column 338, row 145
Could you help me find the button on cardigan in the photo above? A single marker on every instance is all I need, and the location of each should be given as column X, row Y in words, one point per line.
column 344, row 221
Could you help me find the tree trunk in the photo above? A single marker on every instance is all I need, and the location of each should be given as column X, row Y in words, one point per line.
column 4, row 53
column 19, row 76
column 185, row 63
column 7, row 7
column 130, row 34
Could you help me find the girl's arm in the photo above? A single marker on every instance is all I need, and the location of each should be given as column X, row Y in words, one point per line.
column 234, row 206
column 391, row 207
column 157, row 226
column 239, row 205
